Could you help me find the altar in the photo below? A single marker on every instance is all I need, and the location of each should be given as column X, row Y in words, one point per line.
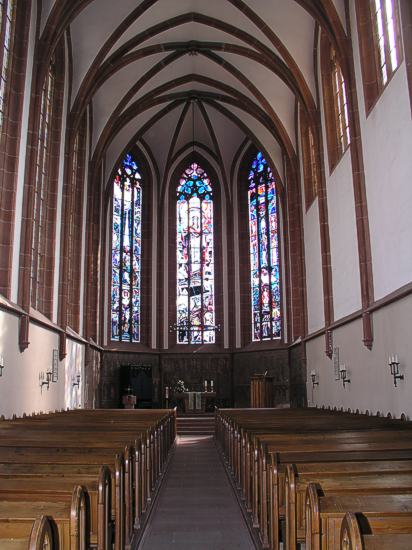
column 195, row 402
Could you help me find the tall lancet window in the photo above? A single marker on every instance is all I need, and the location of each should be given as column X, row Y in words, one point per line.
column 195, row 302
column 264, row 251
column 7, row 19
column 126, row 252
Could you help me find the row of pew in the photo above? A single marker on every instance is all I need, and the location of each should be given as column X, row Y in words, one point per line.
column 317, row 479
column 80, row 479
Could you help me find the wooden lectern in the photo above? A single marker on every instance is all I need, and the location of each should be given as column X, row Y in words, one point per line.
column 261, row 391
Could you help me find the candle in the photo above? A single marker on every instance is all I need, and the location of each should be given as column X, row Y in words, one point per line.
column 167, row 392
column 211, row 385
column 205, row 385
column 396, row 358
column 342, row 368
column 313, row 373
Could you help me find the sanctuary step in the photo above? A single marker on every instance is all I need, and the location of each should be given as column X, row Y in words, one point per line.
column 196, row 425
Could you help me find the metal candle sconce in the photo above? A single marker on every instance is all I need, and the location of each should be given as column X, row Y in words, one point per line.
column 314, row 381
column 343, row 375
column 1, row 365
column 394, row 366
column 45, row 380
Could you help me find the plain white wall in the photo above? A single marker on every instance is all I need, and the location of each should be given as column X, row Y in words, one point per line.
column 342, row 227
column 19, row 386
column 343, row 239
column 314, row 278
column 313, row 256
column 387, row 146
column 371, row 385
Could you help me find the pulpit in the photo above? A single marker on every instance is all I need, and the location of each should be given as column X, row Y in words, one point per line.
column 261, row 391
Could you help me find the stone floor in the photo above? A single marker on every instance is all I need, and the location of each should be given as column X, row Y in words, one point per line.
column 196, row 508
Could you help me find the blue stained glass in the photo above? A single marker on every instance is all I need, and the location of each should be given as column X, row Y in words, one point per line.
column 126, row 252
column 264, row 251
column 195, row 308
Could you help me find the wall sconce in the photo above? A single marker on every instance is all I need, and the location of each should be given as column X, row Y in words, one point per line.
column 343, row 375
column 1, row 364
column 77, row 383
column 314, row 381
column 394, row 366
column 45, row 380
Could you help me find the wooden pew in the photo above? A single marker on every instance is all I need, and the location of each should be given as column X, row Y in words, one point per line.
column 298, row 476
column 324, row 514
column 265, row 486
column 67, row 437
column 57, row 488
column 257, row 445
column 27, row 456
column 70, row 518
column 42, row 536
column 357, row 533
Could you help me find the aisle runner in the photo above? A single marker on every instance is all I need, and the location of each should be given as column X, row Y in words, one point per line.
column 196, row 508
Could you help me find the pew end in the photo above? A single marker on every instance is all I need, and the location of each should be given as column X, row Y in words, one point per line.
column 358, row 534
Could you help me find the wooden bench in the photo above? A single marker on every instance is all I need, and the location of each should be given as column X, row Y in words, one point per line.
column 298, row 476
column 42, row 536
column 325, row 514
column 67, row 457
column 70, row 518
column 267, row 489
column 259, row 445
column 357, row 533
column 57, row 488
column 79, row 442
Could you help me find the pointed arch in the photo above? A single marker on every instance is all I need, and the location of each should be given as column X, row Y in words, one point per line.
column 195, row 259
column 264, row 251
column 195, row 281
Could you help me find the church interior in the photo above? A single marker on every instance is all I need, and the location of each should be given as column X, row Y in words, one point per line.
column 206, row 207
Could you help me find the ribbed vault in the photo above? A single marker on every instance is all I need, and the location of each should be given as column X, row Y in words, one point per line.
column 157, row 70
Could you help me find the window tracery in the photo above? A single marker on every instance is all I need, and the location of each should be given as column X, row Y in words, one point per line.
column 264, row 251
column 195, row 290
column 126, row 252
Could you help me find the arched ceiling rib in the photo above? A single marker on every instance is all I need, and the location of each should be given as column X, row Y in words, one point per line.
column 144, row 64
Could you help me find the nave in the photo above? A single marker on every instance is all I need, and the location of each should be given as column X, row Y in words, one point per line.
column 196, row 507
column 122, row 480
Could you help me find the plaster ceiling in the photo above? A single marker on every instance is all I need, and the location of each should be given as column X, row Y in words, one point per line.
column 146, row 67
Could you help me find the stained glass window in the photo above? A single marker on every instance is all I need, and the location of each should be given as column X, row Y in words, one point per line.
column 264, row 251
column 41, row 190
column 126, row 252
column 195, row 303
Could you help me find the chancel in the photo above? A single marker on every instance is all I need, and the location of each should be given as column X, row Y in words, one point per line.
column 205, row 260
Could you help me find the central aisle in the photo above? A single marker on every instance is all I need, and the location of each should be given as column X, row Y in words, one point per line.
column 196, row 507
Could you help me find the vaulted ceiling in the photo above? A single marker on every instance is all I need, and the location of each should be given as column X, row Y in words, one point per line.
column 173, row 72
